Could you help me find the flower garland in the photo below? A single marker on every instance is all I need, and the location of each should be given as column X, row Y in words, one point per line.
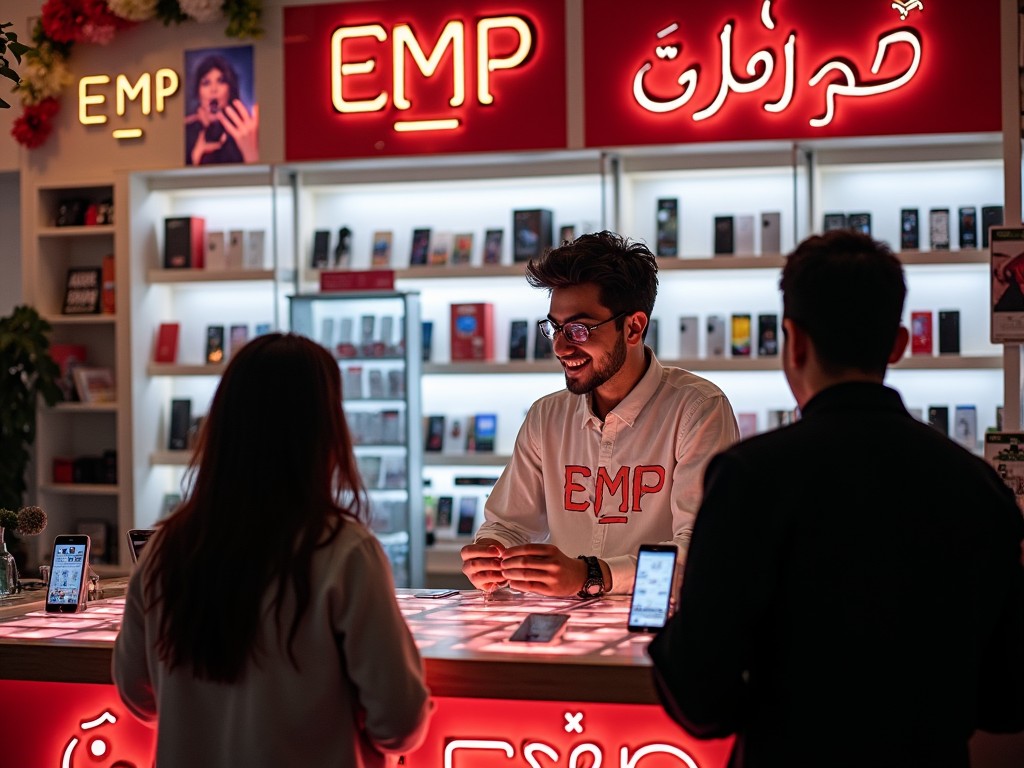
column 64, row 23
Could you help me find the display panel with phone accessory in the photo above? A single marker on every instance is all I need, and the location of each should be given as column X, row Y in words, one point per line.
column 436, row 594
column 67, row 592
column 540, row 628
column 651, row 604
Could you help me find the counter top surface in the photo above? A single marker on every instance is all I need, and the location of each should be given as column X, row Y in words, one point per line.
column 463, row 640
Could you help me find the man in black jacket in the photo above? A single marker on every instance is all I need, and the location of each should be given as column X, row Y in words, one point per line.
column 854, row 593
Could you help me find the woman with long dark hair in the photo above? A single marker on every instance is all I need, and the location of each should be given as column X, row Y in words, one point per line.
column 261, row 626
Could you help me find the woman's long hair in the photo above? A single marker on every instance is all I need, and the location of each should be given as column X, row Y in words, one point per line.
column 274, row 477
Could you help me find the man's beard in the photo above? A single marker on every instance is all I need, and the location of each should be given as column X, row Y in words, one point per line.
column 599, row 372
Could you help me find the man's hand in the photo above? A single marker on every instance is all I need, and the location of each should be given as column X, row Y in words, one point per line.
column 543, row 569
column 482, row 565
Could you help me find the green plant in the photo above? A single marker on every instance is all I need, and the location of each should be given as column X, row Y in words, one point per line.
column 9, row 45
column 27, row 372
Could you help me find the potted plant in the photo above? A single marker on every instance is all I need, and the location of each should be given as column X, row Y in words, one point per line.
column 27, row 372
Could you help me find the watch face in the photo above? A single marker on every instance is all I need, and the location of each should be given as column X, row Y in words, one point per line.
column 594, row 588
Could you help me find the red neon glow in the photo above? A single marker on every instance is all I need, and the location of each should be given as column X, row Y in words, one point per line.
column 78, row 726
column 668, row 72
column 416, row 76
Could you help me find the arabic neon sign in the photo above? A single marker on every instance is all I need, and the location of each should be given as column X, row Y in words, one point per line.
column 752, row 69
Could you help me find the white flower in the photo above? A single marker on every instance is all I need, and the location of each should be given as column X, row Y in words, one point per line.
column 44, row 77
column 202, row 10
column 133, row 10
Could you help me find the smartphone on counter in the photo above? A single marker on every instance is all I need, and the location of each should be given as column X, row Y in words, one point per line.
column 67, row 591
column 436, row 594
column 137, row 538
column 653, row 588
column 540, row 628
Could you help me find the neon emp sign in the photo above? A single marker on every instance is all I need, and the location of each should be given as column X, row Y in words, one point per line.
column 410, row 76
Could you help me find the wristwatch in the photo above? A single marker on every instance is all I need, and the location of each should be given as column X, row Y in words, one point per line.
column 593, row 585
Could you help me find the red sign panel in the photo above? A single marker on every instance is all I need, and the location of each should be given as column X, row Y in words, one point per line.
column 670, row 72
column 423, row 76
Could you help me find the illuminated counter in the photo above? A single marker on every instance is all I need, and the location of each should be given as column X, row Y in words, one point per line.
column 585, row 701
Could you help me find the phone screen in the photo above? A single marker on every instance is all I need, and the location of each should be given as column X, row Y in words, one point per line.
column 652, row 590
column 67, row 574
column 540, row 628
column 137, row 540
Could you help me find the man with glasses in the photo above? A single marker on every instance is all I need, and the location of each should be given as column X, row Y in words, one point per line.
column 616, row 460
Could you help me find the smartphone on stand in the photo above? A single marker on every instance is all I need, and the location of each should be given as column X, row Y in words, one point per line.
column 653, row 588
column 67, row 591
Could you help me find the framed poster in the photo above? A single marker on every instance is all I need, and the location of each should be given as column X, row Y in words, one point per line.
column 1006, row 253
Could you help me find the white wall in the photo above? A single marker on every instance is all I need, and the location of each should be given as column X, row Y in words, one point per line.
column 10, row 240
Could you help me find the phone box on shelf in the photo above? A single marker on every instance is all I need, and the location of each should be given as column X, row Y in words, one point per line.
column 184, row 242
column 472, row 331
column 532, row 233
column 108, row 289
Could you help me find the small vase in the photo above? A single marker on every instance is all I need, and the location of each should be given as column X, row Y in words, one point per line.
column 8, row 570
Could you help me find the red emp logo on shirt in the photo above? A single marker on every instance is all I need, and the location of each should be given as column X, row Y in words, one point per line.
column 627, row 486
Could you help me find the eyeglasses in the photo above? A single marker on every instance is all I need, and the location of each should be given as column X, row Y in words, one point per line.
column 575, row 333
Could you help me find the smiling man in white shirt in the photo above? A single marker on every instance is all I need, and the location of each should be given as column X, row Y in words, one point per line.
column 616, row 459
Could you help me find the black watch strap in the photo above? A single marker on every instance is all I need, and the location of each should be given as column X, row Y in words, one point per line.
column 593, row 584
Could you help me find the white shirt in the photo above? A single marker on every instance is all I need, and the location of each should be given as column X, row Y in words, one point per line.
column 593, row 488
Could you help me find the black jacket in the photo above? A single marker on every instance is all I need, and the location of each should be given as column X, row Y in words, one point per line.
column 853, row 595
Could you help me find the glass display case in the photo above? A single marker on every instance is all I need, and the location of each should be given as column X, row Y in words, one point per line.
column 375, row 337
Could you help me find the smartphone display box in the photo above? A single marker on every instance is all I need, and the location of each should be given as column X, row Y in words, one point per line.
column 689, row 337
column 427, row 339
column 566, row 233
column 181, row 421
column 859, row 222
column 184, row 242
column 492, row 246
column 938, row 229
column 910, row 235
column 518, row 340
column 767, row 335
column 921, row 333
column 67, row 590
column 744, row 234
column 991, row 216
column 255, row 250
column 968, row 217
column 462, row 248
column 965, row 426
column 833, row 221
column 723, row 236
column 238, row 336
column 321, row 249
column 938, row 417
column 215, row 343
column 420, row 246
column 716, row 336
column 740, row 336
column 771, row 232
column 653, row 587
column 484, row 433
column 651, row 334
column 435, row 433
column 234, row 249
column 440, row 248
column 747, row 422
column 443, row 523
column 380, row 255
column 456, row 435
column 667, row 220
column 532, row 233
column 949, row 332
column 108, row 286
column 465, row 523
column 343, row 249
column 166, row 348
column 472, row 331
